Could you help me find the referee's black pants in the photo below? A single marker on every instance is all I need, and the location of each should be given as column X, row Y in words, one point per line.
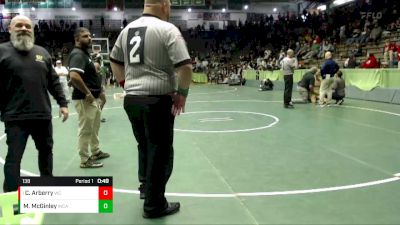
column 287, row 95
column 17, row 133
column 153, row 126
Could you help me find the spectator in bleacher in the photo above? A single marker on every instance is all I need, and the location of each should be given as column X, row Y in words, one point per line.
column 326, row 47
column 350, row 62
column 304, row 48
column 356, row 50
column 234, row 79
column 338, row 87
column 288, row 64
column 364, row 37
column 306, row 84
column 328, row 70
column 370, row 63
column 376, row 33
column 315, row 48
column 398, row 57
column 389, row 49
column 354, row 37
column 342, row 32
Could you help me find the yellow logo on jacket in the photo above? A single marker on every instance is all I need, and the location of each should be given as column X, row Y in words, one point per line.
column 39, row 58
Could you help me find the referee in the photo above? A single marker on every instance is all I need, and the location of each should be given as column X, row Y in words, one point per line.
column 146, row 56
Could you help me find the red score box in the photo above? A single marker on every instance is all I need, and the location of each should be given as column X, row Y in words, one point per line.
column 105, row 193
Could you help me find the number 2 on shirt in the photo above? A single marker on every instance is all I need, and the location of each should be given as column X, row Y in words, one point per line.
column 136, row 37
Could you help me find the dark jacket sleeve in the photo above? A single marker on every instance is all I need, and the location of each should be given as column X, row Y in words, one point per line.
column 2, row 82
column 323, row 70
column 54, row 86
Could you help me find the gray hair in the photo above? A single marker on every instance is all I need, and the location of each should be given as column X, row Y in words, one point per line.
column 313, row 69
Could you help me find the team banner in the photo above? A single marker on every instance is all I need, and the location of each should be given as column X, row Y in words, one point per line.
column 188, row 2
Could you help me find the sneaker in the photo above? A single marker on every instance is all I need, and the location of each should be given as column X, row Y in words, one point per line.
column 340, row 102
column 141, row 190
column 100, row 155
column 91, row 164
column 103, row 120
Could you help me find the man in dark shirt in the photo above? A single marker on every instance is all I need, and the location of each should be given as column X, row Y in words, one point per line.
column 26, row 78
column 328, row 70
column 306, row 84
column 89, row 99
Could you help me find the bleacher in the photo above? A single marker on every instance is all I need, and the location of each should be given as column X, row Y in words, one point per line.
column 342, row 50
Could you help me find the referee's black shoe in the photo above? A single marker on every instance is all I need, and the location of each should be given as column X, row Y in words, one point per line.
column 173, row 207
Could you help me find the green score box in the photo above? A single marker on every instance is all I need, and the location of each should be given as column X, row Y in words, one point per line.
column 105, row 206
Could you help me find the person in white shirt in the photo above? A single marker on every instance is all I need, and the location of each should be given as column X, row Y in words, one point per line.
column 288, row 65
column 62, row 72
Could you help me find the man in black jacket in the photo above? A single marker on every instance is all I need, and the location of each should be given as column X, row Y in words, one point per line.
column 26, row 77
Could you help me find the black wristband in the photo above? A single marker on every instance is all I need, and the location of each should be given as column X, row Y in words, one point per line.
column 183, row 92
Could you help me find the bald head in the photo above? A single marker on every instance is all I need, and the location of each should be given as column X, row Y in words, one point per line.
column 20, row 18
column 290, row 53
column 159, row 8
column 328, row 55
column 314, row 69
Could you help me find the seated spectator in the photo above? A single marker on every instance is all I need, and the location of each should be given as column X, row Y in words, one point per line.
column 376, row 33
column 315, row 47
column 364, row 37
column 306, row 85
column 326, row 47
column 389, row 49
column 398, row 57
column 304, row 48
column 212, row 77
column 266, row 85
column 338, row 87
column 234, row 80
column 370, row 63
column 356, row 51
column 354, row 37
column 351, row 62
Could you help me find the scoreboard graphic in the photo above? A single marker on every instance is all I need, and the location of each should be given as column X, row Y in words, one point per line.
column 65, row 195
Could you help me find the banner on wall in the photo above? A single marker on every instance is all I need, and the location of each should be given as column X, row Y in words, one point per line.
column 98, row 17
column 188, row 2
column 195, row 16
column 216, row 16
column 373, row 15
column 8, row 16
column 66, row 17
column 24, row 1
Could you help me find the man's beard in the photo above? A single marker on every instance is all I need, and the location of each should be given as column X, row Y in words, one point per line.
column 22, row 41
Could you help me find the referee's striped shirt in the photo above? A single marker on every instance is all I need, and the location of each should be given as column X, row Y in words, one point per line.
column 150, row 49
